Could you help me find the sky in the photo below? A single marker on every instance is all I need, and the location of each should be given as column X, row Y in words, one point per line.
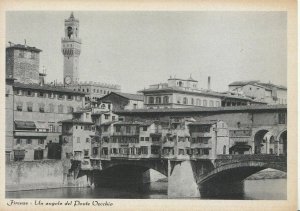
column 136, row 49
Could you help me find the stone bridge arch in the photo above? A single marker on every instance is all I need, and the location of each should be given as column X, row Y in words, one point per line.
column 269, row 140
column 159, row 165
column 127, row 172
column 237, row 170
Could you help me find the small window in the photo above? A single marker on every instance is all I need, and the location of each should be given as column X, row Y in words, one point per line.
column 144, row 128
column 51, row 108
column 106, row 116
column 41, row 141
column 29, row 107
column 42, row 109
column 19, row 107
column 128, row 129
column 28, row 141
column 118, row 128
column 142, row 139
column 146, row 138
column 282, row 118
column 105, row 128
column 95, row 151
column 70, row 109
column 18, row 141
column 41, row 94
column 51, row 128
column 29, row 93
column 70, row 97
column 51, row 95
column 86, row 153
column 113, row 118
column 87, row 140
column 60, row 109
column 60, row 96
column 21, row 54
column 185, row 100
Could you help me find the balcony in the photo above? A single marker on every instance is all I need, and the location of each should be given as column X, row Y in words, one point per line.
column 196, row 157
column 168, row 156
column 183, row 157
column 119, row 156
column 124, row 133
column 202, row 134
column 86, row 165
column 168, row 144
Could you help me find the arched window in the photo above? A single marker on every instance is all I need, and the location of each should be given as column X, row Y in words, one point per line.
column 165, row 100
column 158, row 100
column 185, row 100
column 151, row 100
column 180, row 83
column 204, row 102
column 192, row 101
column 178, row 99
column 211, row 103
column 224, row 149
column 198, row 102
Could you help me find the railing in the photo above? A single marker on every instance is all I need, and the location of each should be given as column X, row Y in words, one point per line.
column 224, row 159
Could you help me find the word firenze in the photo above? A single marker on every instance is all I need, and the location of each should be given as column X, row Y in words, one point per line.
column 67, row 203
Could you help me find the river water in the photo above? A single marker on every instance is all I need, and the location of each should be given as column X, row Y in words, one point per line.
column 267, row 189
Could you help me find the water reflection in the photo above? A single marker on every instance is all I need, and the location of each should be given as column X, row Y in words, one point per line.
column 250, row 189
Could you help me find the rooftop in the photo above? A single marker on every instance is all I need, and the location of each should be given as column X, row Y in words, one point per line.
column 137, row 97
column 76, row 121
column 266, row 85
column 204, row 109
column 197, row 91
column 46, row 88
column 204, row 122
column 23, row 47
column 100, row 113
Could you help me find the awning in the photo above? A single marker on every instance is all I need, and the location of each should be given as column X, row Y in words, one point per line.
column 155, row 134
column 25, row 125
column 41, row 125
column 19, row 152
column 241, row 147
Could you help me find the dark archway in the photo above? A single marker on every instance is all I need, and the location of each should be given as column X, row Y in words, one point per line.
column 283, row 143
column 227, row 180
column 126, row 172
column 260, row 142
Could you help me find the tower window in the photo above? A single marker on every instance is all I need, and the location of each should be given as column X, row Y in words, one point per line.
column 21, row 54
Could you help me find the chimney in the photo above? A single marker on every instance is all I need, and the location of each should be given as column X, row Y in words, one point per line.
column 208, row 83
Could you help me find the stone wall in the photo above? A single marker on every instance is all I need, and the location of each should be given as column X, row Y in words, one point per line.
column 27, row 175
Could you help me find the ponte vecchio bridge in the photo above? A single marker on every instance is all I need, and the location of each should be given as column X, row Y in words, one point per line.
column 256, row 140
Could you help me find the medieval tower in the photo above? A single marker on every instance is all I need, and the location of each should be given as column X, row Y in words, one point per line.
column 71, row 47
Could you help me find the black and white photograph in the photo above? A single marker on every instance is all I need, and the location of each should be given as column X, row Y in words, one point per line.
column 146, row 105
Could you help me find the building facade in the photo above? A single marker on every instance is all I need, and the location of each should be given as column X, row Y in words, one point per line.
column 94, row 90
column 264, row 92
column 35, row 118
column 179, row 93
column 77, row 134
column 71, row 48
column 120, row 100
column 23, row 63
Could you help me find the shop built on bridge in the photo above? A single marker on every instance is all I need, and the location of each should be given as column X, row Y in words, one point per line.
column 192, row 147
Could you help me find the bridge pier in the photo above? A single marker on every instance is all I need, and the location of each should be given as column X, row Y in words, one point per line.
column 181, row 181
